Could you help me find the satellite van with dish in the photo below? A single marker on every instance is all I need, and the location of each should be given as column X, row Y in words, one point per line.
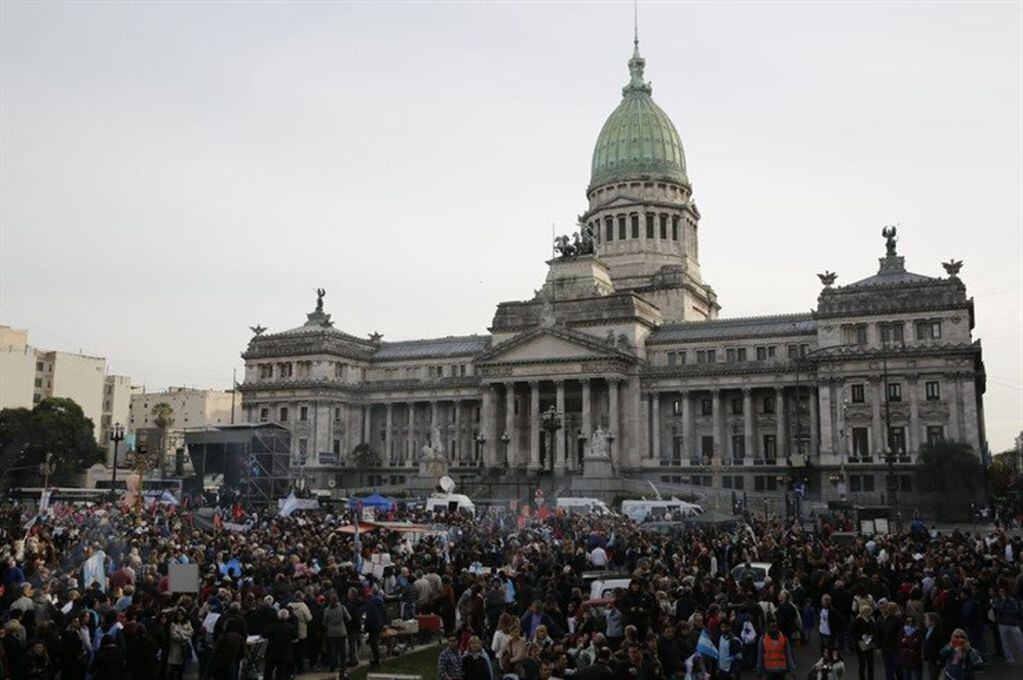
column 447, row 501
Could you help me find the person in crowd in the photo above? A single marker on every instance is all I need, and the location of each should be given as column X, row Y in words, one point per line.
column 863, row 633
column 1008, row 615
column 829, row 667
column 475, row 664
column 449, row 663
column 774, row 654
column 336, row 620
column 958, row 659
column 910, row 659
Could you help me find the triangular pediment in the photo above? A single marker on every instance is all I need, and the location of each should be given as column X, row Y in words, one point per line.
column 552, row 344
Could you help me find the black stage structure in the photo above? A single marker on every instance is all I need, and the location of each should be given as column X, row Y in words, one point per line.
column 254, row 459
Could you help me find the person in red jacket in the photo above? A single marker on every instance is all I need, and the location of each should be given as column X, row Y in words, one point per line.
column 910, row 660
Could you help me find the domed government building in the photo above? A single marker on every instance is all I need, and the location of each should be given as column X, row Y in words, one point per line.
column 618, row 372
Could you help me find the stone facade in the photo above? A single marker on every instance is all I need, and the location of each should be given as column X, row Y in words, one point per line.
column 625, row 342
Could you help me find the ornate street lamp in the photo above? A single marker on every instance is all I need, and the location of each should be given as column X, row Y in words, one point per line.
column 116, row 436
column 47, row 468
column 551, row 421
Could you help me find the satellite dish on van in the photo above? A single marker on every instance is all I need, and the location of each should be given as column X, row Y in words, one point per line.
column 446, row 484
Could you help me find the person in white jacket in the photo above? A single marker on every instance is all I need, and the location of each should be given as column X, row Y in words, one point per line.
column 302, row 616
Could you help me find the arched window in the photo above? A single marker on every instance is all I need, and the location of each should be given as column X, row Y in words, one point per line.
column 609, row 228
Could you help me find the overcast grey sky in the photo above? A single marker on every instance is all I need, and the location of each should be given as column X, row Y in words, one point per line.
column 173, row 173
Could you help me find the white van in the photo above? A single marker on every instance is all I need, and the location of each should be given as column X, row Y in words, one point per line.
column 592, row 506
column 643, row 510
column 449, row 502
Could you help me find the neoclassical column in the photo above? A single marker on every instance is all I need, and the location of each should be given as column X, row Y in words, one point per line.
column 410, row 439
column 488, row 416
column 511, row 451
column 534, row 425
column 913, row 436
column 877, row 426
column 814, row 447
column 367, row 411
column 716, row 398
column 827, row 431
column 559, row 445
column 613, row 423
column 459, row 453
column 389, row 447
column 952, row 389
column 749, row 417
column 586, row 414
column 655, row 424
column 780, row 446
column 687, row 427
column 433, row 421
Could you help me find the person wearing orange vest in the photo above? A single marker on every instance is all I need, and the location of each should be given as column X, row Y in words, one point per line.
column 774, row 655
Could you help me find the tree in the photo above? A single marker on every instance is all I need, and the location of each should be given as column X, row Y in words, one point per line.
column 163, row 418
column 54, row 426
column 364, row 457
column 1002, row 472
column 951, row 469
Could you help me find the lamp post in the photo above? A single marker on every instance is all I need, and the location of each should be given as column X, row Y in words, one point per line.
column 889, row 451
column 551, row 424
column 116, row 436
column 47, row 468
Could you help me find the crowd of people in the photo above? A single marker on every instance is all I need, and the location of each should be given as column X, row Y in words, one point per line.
column 87, row 593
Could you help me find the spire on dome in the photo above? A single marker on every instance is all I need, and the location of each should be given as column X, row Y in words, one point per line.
column 637, row 63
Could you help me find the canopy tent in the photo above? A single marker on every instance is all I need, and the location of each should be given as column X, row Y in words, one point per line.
column 372, row 501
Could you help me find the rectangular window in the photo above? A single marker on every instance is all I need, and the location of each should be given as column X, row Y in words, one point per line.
column 707, row 447
column 303, row 413
column 712, row 356
column 707, row 407
column 769, row 404
column 264, row 415
column 730, row 355
column 337, row 447
column 737, row 407
column 681, row 358
column 868, row 482
column 897, row 440
column 337, row 414
column 858, row 394
column 935, row 434
column 36, row 398
column 765, row 352
column 649, row 225
column 672, row 358
column 740, row 354
column 621, row 228
column 770, row 447
column 860, row 443
column 39, row 382
column 894, row 391
column 303, row 447
column 701, row 356
column 674, row 228
column 664, row 227
column 933, row 390
column 609, row 229
column 793, row 351
column 928, row 330
column 634, row 217
column 892, row 331
column 856, row 334
column 738, row 447
column 676, row 407
column 284, row 414
column 759, row 484
column 855, row 483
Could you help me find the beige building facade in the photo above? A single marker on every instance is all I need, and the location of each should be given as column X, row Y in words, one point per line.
column 28, row 375
column 622, row 349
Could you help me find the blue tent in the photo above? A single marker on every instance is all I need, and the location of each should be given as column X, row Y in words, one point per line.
column 372, row 501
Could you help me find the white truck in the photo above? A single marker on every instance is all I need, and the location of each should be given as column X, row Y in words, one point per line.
column 642, row 510
column 449, row 502
column 593, row 506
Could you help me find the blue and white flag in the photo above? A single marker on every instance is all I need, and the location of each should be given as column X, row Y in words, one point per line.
column 358, row 547
column 705, row 646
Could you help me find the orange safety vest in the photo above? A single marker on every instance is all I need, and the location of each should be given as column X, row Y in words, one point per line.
column 774, row 653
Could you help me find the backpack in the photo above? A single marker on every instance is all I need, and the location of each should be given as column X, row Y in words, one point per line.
column 748, row 634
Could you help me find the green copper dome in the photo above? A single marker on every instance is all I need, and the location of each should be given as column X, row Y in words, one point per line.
column 638, row 139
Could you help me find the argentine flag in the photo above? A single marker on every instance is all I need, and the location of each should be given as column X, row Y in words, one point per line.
column 705, row 646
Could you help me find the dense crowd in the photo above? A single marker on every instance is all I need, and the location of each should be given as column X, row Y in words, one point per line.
column 87, row 594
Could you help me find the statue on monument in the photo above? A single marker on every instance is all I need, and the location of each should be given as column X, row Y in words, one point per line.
column 319, row 299
column 890, row 240
column 432, row 461
column 597, row 447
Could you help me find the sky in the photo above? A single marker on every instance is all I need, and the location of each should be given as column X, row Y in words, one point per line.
column 173, row 173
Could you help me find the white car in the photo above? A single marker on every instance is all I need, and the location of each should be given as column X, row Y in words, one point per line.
column 758, row 571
